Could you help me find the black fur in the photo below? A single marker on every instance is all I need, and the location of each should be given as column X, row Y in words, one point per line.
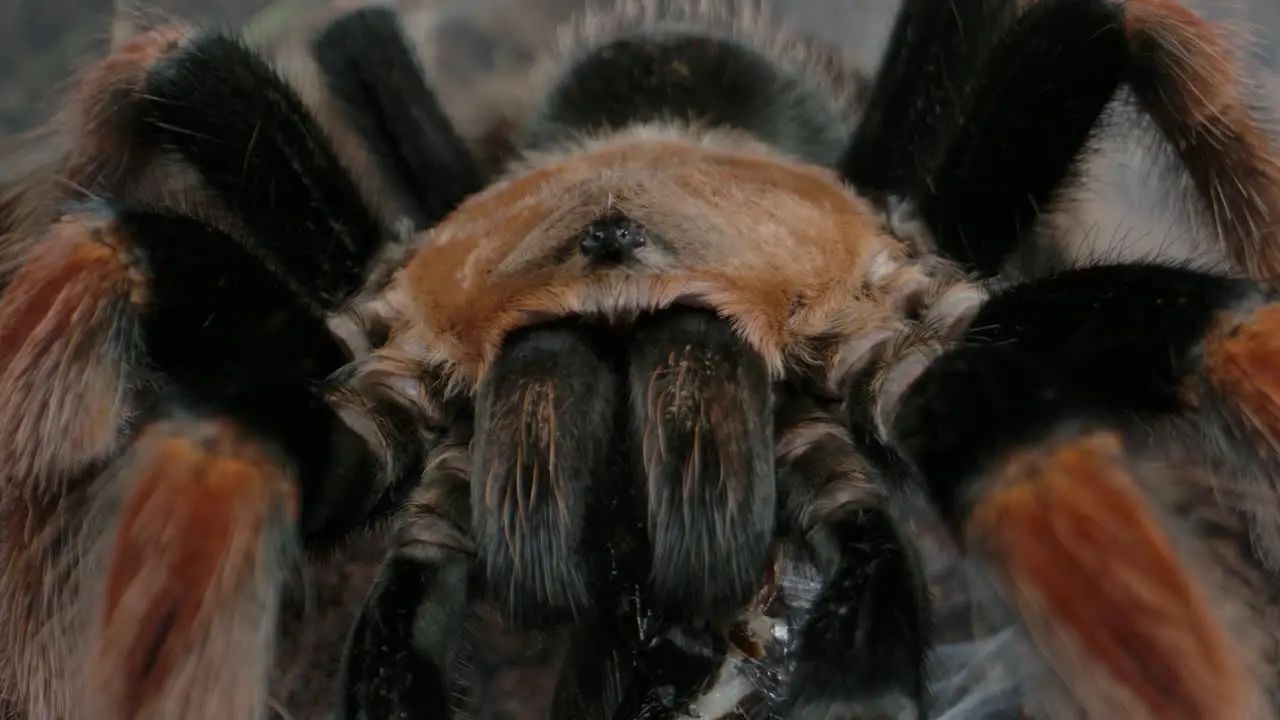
column 386, row 671
column 1023, row 136
column 405, row 644
column 372, row 70
column 229, row 337
column 224, row 110
column 1087, row 347
column 544, row 428
column 863, row 646
column 1012, row 130
column 928, row 71
column 675, row 75
column 702, row 405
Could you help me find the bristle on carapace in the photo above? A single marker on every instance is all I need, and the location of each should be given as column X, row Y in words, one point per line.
column 1101, row 589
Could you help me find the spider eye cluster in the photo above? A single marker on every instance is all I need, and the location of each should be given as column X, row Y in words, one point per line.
column 613, row 240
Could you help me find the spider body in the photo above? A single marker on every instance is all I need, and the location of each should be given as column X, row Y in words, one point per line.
column 717, row 313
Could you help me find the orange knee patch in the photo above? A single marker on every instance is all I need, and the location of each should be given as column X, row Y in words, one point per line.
column 1102, row 591
column 1190, row 79
column 64, row 328
column 99, row 112
column 80, row 262
column 194, row 530
column 1201, row 67
column 1242, row 362
column 125, row 70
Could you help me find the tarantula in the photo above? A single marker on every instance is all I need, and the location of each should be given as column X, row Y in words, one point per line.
column 713, row 308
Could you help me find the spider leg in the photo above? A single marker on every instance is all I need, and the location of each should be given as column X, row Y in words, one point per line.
column 1015, row 436
column 130, row 307
column 230, row 332
column 248, row 135
column 101, row 116
column 1188, row 75
column 68, row 346
column 214, row 104
column 702, row 409
column 928, row 69
column 1027, row 112
column 185, row 622
column 862, row 648
column 1023, row 117
column 218, row 106
column 166, row 328
column 405, row 640
column 373, row 72
column 416, row 644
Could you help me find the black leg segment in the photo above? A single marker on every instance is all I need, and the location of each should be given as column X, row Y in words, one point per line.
column 227, row 113
column 1017, row 438
column 372, row 71
column 1023, row 134
column 862, row 648
column 928, row 71
column 235, row 340
column 401, row 653
column 981, row 116
column 1099, row 344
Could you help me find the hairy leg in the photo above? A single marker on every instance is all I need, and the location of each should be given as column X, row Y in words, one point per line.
column 1014, row 436
column 373, row 72
column 181, row 329
column 545, row 415
column 862, row 649
column 1026, row 112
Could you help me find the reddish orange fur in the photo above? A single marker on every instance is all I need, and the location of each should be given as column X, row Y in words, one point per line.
column 64, row 360
column 1102, row 590
column 201, row 503
column 1211, row 79
column 32, row 669
column 62, row 369
column 1242, row 359
column 98, row 113
column 1191, row 82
